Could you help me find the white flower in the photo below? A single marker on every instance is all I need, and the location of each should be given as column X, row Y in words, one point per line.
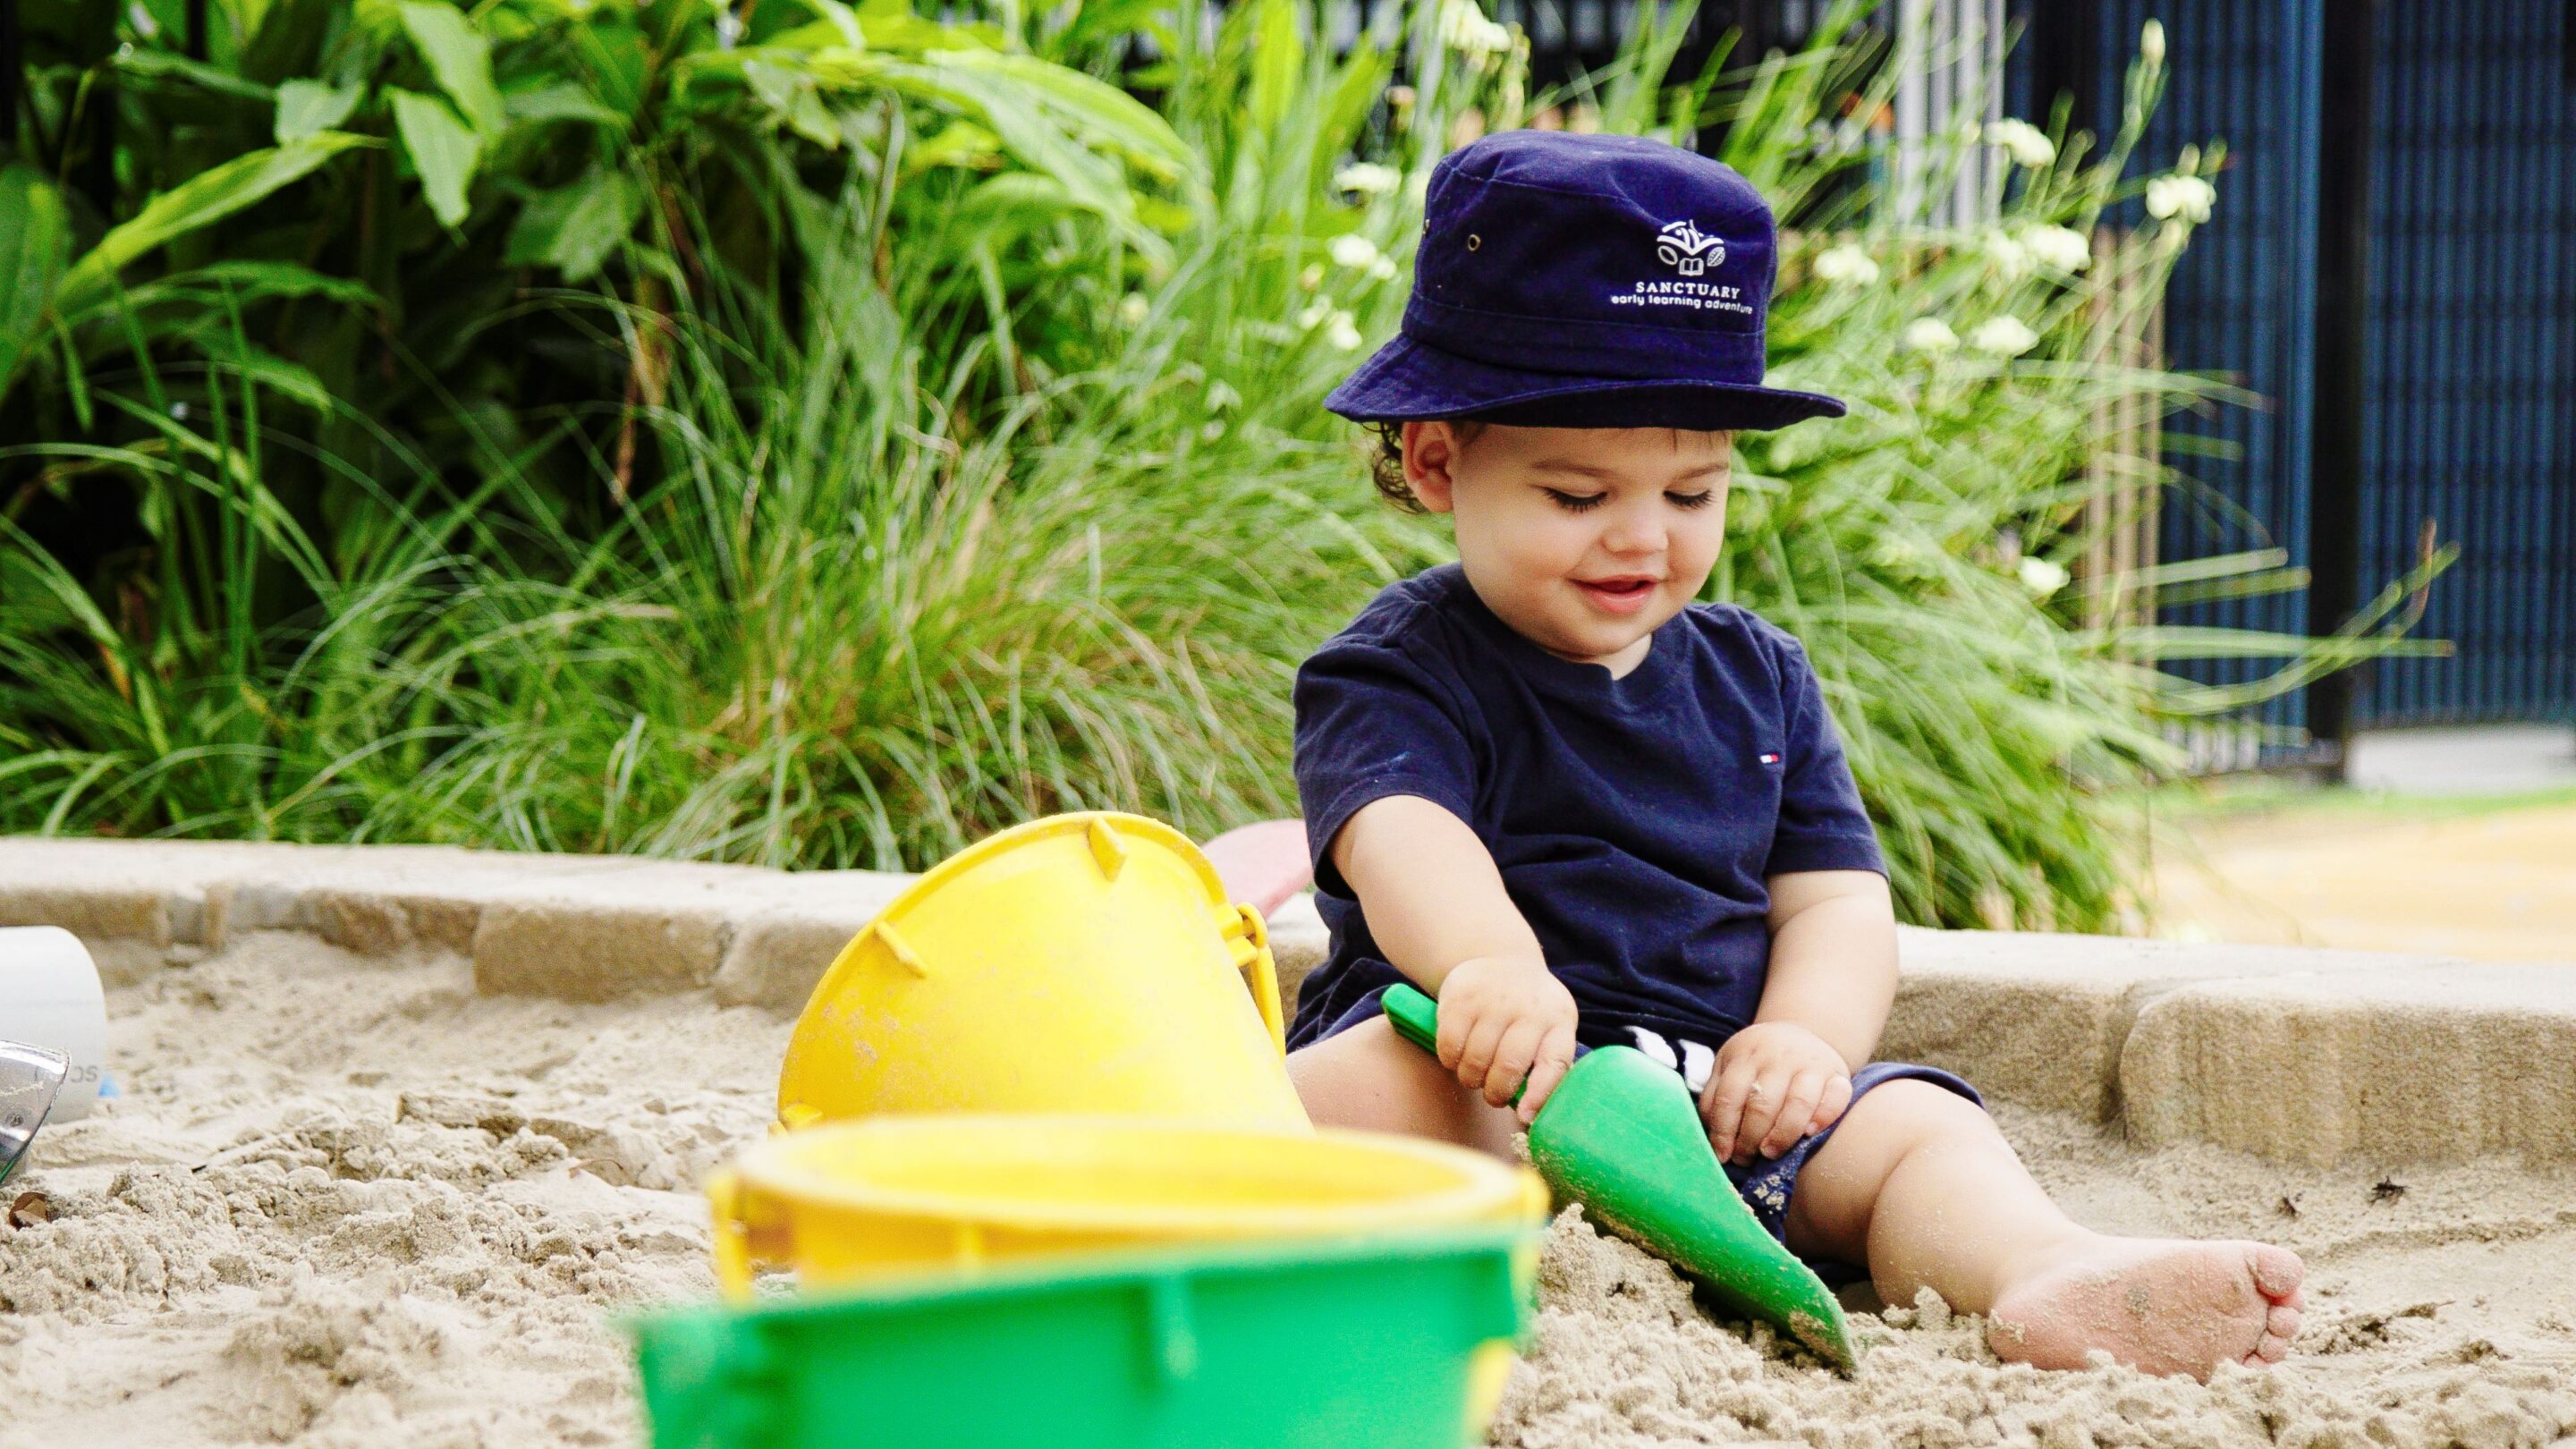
column 1221, row 397
column 2003, row 336
column 2010, row 257
column 1847, row 265
column 2040, row 576
column 1351, row 250
column 1312, row 277
column 1464, row 28
column 2028, row 144
column 1314, row 315
column 1132, row 309
column 1460, row 22
column 1383, row 269
column 2187, row 197
column 2151, row 42
column 1342, row 333
column 1368, row 178
column 2058, row 248
column 1902, row 555
column 1930, row 334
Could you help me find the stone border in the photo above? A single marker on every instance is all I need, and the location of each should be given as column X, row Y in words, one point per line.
column 582, row 928
column 2298, row 1055
column 2305, row 1056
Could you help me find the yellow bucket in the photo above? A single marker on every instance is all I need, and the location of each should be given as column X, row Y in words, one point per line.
column 856, row 1200
column 1085, row 963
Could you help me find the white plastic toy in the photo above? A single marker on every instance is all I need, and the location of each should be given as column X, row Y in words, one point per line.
column 50, row 999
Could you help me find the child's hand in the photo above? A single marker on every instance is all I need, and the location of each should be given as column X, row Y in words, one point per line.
column 1503, row 1019
column 1775, row 1083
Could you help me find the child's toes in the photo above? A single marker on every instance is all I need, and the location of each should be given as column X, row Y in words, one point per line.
column 2280, row 1326
column 2283, row 1323
column 2277, row 1271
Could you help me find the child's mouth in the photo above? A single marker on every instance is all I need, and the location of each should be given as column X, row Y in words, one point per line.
column 1618, row 596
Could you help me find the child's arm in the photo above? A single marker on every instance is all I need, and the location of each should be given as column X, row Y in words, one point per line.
column 1436, row 905
column 1833, row 957
column 1825, row 998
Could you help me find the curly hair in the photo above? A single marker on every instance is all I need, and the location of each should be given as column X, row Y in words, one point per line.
column 1386, row 465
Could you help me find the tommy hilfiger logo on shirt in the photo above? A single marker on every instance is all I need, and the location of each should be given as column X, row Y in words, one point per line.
column 1770, row 759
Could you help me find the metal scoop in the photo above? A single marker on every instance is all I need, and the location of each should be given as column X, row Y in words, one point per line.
column 29, row 1078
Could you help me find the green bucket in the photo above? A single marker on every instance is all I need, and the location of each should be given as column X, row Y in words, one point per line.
column 1315, row 1345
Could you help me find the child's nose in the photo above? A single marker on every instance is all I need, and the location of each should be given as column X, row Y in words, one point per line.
column 1634, row 532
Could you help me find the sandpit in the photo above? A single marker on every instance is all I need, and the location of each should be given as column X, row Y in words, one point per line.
column 347, row 1201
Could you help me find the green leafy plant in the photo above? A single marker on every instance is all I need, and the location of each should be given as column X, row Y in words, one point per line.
column 942, row 534
column 935, row 442
column 448, row 161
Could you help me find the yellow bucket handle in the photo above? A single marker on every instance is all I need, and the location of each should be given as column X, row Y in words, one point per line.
column 732, row 1241
column 1249, row 935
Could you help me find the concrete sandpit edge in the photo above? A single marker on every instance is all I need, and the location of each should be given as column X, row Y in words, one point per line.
column 2173, row 1041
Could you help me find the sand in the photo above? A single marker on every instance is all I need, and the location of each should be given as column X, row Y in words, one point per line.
column 2441, row 1315
column 347, row 1202
column 2495, row 885
column 344, row 1202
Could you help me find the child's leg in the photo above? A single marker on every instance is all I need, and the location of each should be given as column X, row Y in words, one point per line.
column 1369, row 1077
column 1916, row 1182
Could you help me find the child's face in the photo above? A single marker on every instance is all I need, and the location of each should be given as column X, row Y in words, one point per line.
column 1582, row 539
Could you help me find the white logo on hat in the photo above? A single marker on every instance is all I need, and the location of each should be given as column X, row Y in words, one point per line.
column 1681, row 245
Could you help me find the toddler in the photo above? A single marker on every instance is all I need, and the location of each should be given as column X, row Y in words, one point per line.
column 1549, row 789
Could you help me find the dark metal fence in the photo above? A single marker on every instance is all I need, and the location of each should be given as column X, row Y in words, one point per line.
column 2392, row 265
column 2240, row 303
column 2470, row 425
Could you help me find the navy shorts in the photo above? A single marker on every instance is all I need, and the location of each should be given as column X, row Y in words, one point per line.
column 1765, row 1185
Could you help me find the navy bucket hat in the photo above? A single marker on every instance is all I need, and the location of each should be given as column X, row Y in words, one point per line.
column 1584, row 282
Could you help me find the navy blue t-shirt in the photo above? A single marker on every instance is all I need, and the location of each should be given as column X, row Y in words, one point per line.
column 1634, row 819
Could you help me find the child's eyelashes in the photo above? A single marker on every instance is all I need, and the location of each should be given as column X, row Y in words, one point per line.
column 1586, row 502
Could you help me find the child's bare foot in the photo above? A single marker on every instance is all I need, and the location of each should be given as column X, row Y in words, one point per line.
column 2164, row 1305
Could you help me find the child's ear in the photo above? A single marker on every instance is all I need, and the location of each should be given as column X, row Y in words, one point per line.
column 1430, row 453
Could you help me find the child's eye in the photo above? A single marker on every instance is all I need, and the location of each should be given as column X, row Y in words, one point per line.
column 1579, row 502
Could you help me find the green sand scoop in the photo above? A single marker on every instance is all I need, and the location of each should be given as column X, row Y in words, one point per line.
column 1621, row 1136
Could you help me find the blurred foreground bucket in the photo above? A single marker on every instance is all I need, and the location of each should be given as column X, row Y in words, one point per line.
column 852, row 1200
column 1085, row 963
column 50, row 998
column 1398, row 1343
